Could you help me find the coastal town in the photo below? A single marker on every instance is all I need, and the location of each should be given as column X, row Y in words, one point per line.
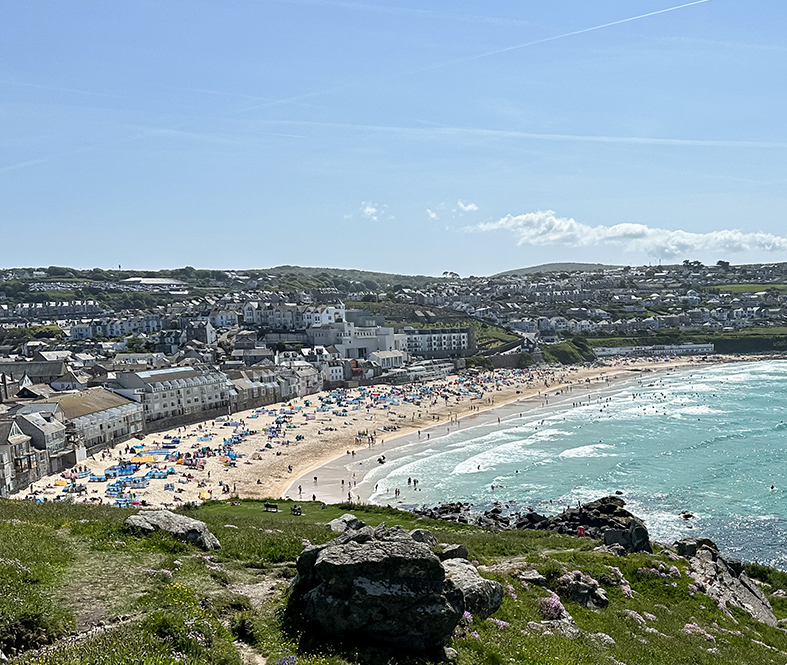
column 81, row 379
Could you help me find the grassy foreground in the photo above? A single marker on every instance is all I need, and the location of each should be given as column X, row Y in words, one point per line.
column 66, row 568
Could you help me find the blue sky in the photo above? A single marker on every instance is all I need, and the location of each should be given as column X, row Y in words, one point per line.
column 413, row 138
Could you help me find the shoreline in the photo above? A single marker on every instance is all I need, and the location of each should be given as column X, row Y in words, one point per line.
column 330, row 487
column 270, row 468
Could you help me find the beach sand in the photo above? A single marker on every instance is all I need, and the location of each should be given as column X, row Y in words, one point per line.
column 262, row 472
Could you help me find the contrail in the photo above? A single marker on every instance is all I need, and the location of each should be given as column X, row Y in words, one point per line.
column 57, row 89
column 318, row 93
column 471, row 58
column 507, row 49
column 513, row 134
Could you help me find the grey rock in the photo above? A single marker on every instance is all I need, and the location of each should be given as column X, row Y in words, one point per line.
column 376, row 587
column 565, row 626
column 483, row 597
column 451, row 655
column 423, row 536
column 453, row 552
column 633, row 539
column 533, row 577
column 688, row 547
column 614, row 549
column 727, row 584
column 347, row 522
column 582, row 589
column 182, row 527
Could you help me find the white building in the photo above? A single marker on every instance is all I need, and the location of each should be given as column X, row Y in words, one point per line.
column 387, row 359
column 436, row 342
column 175, row 391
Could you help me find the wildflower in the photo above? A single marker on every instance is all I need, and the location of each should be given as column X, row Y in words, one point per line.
column 511, row 591
column 625, row 589
column 500, row 623
column 286, row 660
column 178, row 656
column 476, row 635
column 467, row 617
column 674, row 571
column 551, row 607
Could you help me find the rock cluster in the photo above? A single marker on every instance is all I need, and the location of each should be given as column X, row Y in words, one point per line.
column 384, row 587
column 183, row 528
column 724, row 580
column 604, row 518
column 582, row 589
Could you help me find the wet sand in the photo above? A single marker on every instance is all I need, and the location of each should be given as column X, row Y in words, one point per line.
column 274, row 472
column 342, row 479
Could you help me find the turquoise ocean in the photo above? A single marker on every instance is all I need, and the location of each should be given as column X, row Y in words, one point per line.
column 709, row 440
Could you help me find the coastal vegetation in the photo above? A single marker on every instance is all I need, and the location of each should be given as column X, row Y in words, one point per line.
column 746, row 340
column 67, row 568
column 570, row 352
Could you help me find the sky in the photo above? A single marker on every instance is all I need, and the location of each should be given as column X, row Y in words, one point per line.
column 404, row 137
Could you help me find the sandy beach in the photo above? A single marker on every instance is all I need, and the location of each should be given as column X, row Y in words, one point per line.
column 315, row 436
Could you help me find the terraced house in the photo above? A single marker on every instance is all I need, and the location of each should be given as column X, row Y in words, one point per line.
column 20, row 464
column 96, row 418
column 175, row 392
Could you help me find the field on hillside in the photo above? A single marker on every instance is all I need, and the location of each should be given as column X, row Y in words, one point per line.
column 747, row 340
column 67, row 568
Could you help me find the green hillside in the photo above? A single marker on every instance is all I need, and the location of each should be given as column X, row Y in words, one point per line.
column 158, row 601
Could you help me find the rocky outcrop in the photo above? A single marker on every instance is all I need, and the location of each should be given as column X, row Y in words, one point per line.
column 582, row 589
column 453, row 552
column 724, row 580
column 376, row 587
column 450, row 512
column 483, row 597
column 346, row 522
column 605, row 519
column 424, row 536
column 182, row 527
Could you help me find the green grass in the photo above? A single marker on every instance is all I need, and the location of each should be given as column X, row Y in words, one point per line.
column 186, row 606
column 749, row 288
column 570, row 352
column 747, row 340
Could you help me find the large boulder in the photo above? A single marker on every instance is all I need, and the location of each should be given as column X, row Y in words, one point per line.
column 424, row 536
column 376, row 587
column 724, row 581
column 634, row 539
column 582, row 589
column 182, row 527
column 483, row 597
column 454, row 551
column 347, row 522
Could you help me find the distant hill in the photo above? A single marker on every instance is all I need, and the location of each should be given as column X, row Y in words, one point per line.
column 556, row 267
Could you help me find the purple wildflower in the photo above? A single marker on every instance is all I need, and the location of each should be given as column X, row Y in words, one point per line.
column 551, row 607
column 500, row 623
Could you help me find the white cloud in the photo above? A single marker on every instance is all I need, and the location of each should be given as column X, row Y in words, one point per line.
column 545, row 228
column 432, row 215
column 467, row 207
column 370, row 210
